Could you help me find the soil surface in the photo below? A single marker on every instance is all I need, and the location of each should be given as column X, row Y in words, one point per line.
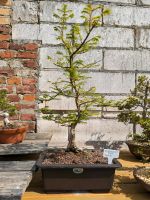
column 10, row 126
column 81, row 157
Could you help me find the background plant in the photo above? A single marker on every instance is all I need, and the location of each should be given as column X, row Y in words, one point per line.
column 76, row 40
column 5, row 105
column 135, row 109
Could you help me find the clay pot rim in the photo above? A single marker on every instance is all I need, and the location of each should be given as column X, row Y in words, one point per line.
column 21, row 128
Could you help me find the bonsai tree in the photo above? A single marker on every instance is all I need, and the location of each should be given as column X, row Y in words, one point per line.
column 76, row 40
column 6, row 107
column 135, row 109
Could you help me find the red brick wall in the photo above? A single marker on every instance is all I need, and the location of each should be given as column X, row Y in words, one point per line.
column 18, row 69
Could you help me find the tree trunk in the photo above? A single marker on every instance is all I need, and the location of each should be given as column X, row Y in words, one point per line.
column 71, row 139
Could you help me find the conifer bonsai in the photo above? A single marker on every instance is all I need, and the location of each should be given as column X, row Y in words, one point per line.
column 76, row 40
column 135, row 109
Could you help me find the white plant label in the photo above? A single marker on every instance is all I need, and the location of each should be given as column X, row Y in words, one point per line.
column 110, row 154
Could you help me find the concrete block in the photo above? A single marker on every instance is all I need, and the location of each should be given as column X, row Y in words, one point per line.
column 47, row 34
column 48, row 8
column 93, row 56
column 117, row 1
column 127, row 60
column 110, row 37
column 25, row 11
column 143, row 38
column 145, row 2
column 25, row 32
column 90, row 134
column 128, row 16
column 118, row 83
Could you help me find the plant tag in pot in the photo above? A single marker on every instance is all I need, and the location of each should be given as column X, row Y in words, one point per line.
column 110, row 154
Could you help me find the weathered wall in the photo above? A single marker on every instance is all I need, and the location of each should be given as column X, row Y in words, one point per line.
column 18, row 69
column 124, row 50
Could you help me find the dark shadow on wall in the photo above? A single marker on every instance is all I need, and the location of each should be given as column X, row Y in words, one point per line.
column 97, row 142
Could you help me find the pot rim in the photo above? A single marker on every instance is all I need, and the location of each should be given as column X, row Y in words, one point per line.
column 10, row 130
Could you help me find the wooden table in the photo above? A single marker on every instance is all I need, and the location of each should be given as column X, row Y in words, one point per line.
column 16, row 170
column 15, row 177
column 26, row 147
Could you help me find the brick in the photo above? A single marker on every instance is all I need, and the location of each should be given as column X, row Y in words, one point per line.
column 5, row 2
column 14, row 80
column 4, row 45
column 4, row 11
column 26, row 89
column 31, row 33
column 13, row 98
column 29, row 98
column 9, row 88
column 28, row 81
column 24, row 11
column 46, row 15
column 128, row 16
column 31, row 47
column 4, row 20
column 28, row 106
column 15, row 46
column 117, row 83
column 7, row 54
column 93, row 56
column 127, row 60
column 4, row 37
column 6, row 71
column 27, row 117
column 2, row 80
column 30, row 64
column 27, row 55
column 5, row 29
column 14, row 117
column 28, row 46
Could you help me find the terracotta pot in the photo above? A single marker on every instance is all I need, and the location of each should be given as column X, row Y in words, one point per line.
column 12, row 135
column 140, row 174
column 141, row 150
column 78, row 177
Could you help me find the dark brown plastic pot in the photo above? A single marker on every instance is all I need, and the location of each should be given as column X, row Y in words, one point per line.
column 96, row 178
column 12, row 135
column 139, row 149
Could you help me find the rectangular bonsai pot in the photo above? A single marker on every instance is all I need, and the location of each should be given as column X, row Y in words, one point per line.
column 96, row 178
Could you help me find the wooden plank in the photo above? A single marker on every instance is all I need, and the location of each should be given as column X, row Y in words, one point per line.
column 17, row 166
column 26, row 147
column 14, row 184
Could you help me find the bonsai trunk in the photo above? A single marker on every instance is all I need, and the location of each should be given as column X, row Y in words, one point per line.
column 71, row 139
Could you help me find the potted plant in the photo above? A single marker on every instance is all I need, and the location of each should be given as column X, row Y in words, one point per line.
column 142, row 175
column 135, row 109
column 73, row 169
column 9, row 133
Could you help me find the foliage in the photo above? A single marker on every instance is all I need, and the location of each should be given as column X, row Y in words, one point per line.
column 5, row 105
column 135, row 109
column 76, row 40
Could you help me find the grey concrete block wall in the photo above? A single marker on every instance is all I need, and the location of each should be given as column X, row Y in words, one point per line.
column 123, row 51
